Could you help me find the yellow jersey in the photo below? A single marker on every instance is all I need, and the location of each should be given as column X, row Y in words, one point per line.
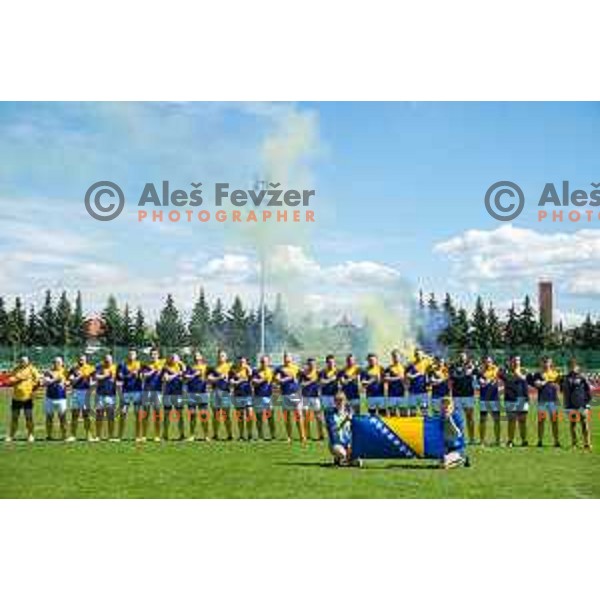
column 24, row 381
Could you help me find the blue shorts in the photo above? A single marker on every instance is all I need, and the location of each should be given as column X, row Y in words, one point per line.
column 221, row 400
column 173, row 401
column 327, row 402
column 240, row 402
column 375, row 402
column 520, row 405
column 395, row 401
column 292, row 402
column 436, row 404
column 462, row 402
column 134, row 398
column 81, row 399
column 201, row 399
column 262, row 403
column 420, row 400
column 152, row 399
column 547, row 410
column 486, row 406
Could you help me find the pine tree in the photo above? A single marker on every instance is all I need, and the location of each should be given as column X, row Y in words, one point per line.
column 585, row 335
column 461, row 329
column 17, row 324
column 170, row 330
column 62, row 321
column 3, row 323
column 494, row 328
column 78, row 323
column 481, row 336
column 111, row 323
column 127, row 327
column 432, row 302
column 32, row 337
column 199, row 325
column 511, row 329
column 446, row 336
column 528, row 325
column 237, row 339
column 217, row 324
column 140, row 334
column 47, row 322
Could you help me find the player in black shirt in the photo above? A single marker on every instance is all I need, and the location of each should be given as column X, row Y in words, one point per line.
column 578, row 398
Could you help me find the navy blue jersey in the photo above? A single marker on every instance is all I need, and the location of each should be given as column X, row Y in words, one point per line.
column 331, row 376
column 310, row 383
column 264, row 388
column 374, row 377
column 349, row 380
column 129, row 374
column 195, row 375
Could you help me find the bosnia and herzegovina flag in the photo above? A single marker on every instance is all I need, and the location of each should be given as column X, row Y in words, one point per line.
column 397, row 437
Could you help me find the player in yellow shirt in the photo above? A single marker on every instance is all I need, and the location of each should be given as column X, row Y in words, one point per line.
column 288, row 377
column 218, row 377
column 81, row 379
column 240, row 378
column 394, row 379
column 55, row 380
column 548, row 382
column 106, row 397
column 489, row 398
column 152, row 393
column 24, row 379
column 262, row 384
column 173, row 397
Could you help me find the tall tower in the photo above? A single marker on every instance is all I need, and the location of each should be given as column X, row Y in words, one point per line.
column 545, row 303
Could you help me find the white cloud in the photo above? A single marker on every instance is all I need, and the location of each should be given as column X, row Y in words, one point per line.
column 509, row 255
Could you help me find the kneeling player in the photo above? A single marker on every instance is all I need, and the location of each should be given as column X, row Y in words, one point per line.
column 339, row 429
column 81, row 377
column 311, row 403
column 262, row 382
column 55, row 381
column 239, row 378
column 454, row 436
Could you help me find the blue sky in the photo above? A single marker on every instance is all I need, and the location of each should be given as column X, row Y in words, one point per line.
column 399, row 200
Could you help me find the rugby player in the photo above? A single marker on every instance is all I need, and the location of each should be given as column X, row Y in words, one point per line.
column 55, row 381
column 106, row 392
column 516, row 400
column 349, row 378
column 262, row 383
column 219, row 379
column 394, row 379
column 240, row 380
column 489, row 399
column 547, row 383
column 438, row 380
column 197, row 397
column 578, row 399
column 81, row 377
column 152, row 393
column 129, row 376
column 287, row 376
column 372, row 381
column 173, row 400
column 311, row 403
column 416, row 373
column 24, row 379
column 339, row 429
column 462, row 377
column 328, row 380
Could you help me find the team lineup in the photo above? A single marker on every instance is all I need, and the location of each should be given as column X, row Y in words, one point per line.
column 201, row 400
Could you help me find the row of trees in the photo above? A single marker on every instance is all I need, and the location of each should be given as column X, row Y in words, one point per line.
column 440, row 326
column 451, row 326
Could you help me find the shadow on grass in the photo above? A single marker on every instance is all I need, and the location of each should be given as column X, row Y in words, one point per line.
column 366, row 465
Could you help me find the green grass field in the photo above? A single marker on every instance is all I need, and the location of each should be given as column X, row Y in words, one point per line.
column 278, row 470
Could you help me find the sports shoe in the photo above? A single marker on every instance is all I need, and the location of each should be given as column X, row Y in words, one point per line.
column 157, row 439
column 114, row 439
column 70, row 439
column 510, row 445
column 557, row 444
column 31, row 438
column 524, row 444
column 8, row 439
column 93, row 439
column 191, row 438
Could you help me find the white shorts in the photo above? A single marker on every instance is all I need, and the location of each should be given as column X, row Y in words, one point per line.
column 311, row 403
column 152, row 399
column 242, row 402
column 51, row 406
column 292, row 402
column 221, row 399
column 81, row 400
column 376, row 401
column 463, row 402
column 103, row 402
column 327, row 402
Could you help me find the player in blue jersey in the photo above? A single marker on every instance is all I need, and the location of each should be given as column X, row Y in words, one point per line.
column 349, row 379
column 240, row 377
column 547, row 382
column 339, row 430
column 129, row 376
column 416, row 374
column 152, row 393
column 394, row 379
column 516, row 400
column 173, row 396
column 197, row 396
column 288, row 376
column 311, row 401
column 373, row 384
column 106, row 394
column 81, row 379
column 55, row 380
column 262, row 384
column 438, row 381
column 328, row 380
column 454, row 436
column 218, row 377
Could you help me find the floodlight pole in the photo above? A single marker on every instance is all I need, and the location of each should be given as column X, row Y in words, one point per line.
column 261, row 185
